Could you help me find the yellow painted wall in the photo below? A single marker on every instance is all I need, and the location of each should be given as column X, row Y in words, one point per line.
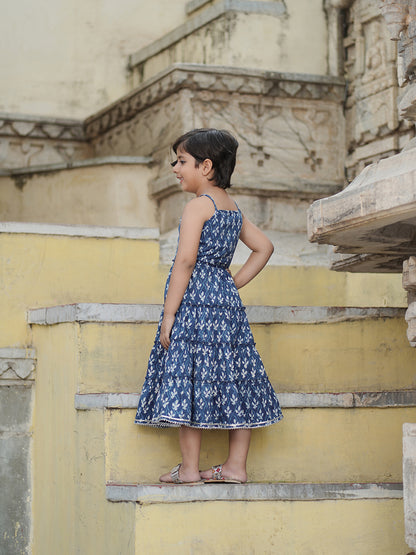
column 106, row 347
column 70, row 513
column 40, row 270
column 267, row 528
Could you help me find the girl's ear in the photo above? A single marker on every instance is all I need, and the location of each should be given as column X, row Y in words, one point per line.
column 206, row 166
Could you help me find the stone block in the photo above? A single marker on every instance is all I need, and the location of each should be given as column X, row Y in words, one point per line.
column 409, row 274
column 411, row 323
column 409, row 482
column 15, row 498
column 15, row 409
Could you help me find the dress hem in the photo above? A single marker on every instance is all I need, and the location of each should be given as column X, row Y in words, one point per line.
column 176, row 423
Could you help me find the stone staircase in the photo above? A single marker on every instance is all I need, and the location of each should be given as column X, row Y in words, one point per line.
column 330, row 472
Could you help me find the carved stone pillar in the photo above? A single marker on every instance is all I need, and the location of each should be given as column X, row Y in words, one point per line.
column 409, row 482
column 400, row 16
column 409, row 284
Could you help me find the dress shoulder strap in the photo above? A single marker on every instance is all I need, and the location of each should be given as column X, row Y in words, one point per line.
column 213, row 201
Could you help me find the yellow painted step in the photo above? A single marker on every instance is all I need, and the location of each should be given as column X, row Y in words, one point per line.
column 368, row 527
column 319, row 286
column 309, row 445
column 362, row 355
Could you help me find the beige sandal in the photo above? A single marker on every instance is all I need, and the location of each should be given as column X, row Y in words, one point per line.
column 174, row 473
column 217, row 477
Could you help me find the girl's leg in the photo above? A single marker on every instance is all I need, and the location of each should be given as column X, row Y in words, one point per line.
column 190, row 444
column 235, row 465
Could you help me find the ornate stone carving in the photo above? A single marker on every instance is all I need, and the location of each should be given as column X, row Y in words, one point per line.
column 373, row 127
column 400, row 16
column 17, row 365
column 28, row 140
column 213, row 79
column 395, row 13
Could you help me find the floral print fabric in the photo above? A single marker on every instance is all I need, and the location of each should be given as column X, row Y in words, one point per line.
column 212, row 375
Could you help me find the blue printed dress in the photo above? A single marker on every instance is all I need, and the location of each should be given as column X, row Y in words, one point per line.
column 212, row 375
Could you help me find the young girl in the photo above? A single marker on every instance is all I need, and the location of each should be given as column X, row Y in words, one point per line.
column 204, row 370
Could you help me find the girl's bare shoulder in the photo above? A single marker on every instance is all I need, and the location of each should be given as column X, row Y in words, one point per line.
column 199, row 207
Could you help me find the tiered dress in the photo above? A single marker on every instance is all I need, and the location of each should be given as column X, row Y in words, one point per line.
column 212, row 375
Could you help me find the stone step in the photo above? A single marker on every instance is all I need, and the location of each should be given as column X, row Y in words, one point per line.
column 265, row 518
column 106, row 191
column 194, row 41
column 304, row 349
column 147, row 494
column 78, row 451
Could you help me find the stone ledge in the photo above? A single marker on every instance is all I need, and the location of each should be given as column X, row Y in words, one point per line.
column 194, row 5
column 372, row 399
column 157, row 493
column 88, row 163
column 41, row 127
column 98, row 232
column 276, row 9
column 150, row 313
column 374, row 215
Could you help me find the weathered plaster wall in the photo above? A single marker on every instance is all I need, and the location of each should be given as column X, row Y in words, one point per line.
column 71, row 61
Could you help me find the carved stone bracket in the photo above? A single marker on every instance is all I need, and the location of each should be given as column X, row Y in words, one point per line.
column 17, row 365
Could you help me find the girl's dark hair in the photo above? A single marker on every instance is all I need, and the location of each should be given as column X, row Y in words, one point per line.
column 219, row 146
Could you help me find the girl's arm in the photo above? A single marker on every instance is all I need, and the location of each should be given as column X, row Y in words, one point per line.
column 195, row 214
column 262, row 249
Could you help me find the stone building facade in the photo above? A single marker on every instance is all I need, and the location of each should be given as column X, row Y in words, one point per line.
column 372, row 222
column 310, row 89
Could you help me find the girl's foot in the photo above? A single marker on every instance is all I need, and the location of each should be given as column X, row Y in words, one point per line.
column 180, row 475
column 224, row 472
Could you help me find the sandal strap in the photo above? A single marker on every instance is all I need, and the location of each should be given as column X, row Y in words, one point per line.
column 217, row 472
column 175, row 474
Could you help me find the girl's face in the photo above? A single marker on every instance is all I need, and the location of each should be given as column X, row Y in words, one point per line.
column 190, row 176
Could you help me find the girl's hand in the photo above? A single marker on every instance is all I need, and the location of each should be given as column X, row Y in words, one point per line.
column 166, row 329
